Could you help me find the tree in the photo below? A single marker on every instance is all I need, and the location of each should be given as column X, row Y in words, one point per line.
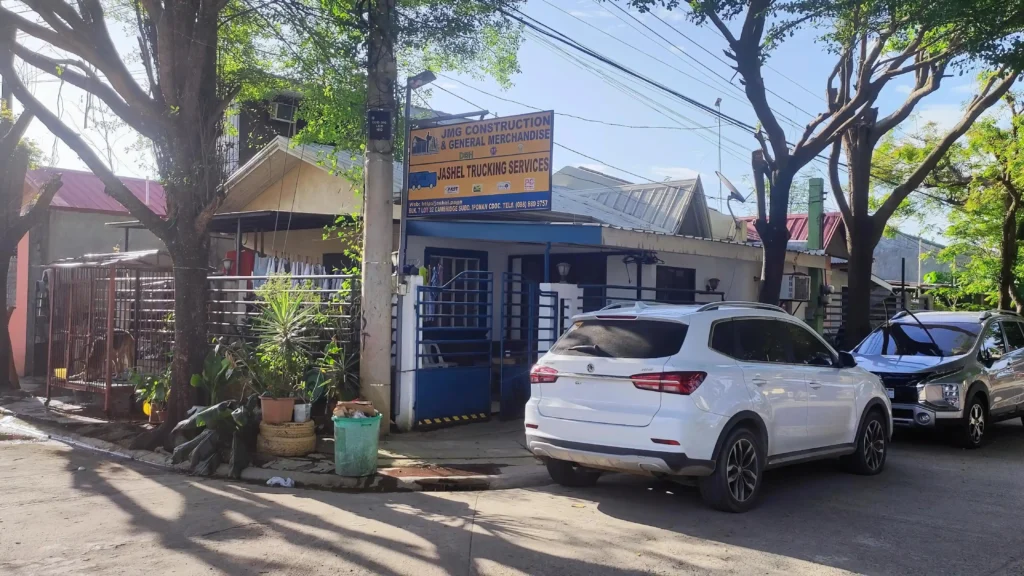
column 198, row 57
column 15, row 219
column 875, row 42
column 981, row 176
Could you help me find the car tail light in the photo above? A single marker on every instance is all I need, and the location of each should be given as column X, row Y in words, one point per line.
column 543, row 374
column 669, row 382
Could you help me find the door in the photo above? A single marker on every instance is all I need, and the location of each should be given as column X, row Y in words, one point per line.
column 1014, row 332
column 831, row 392
column 998, row 367
column 590, row 371
column 775, row 385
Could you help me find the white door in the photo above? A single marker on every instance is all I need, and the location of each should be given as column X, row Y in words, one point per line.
column 831, row 392
column 777, row 388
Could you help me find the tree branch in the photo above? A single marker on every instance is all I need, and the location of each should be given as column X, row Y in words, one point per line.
column 92, row 84
column 837, row 185
column 114, row 187
column 13, row 137
column 928, row 81
column 993, row 90
column 35, row 214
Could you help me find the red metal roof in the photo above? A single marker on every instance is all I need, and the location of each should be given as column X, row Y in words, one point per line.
column 797, row 225
column 84, row 191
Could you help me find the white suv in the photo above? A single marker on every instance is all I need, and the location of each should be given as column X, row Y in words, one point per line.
column 721, row 392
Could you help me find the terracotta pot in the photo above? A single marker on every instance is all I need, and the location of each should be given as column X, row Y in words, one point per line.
column 157, row 416
column 277, row 410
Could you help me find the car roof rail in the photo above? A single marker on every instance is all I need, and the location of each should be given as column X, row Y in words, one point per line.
column 989, row 313
column 635, row 305
column 737, row 304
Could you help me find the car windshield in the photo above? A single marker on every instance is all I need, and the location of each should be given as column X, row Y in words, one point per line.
column 910, row 339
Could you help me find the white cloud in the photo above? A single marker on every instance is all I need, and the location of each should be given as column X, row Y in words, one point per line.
column 944, row 116
column 969, row 88
column 904, row 89
column 677, row 15
column 677, row 49
column 674, row 172
column 590, row 14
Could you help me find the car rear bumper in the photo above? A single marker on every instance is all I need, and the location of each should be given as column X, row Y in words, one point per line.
column 918, row 416
column 619, row 459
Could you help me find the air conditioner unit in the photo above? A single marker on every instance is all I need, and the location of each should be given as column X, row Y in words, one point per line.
column 282, row 112
column 796, row 287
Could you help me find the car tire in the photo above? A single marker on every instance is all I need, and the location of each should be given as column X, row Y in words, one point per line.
column 571, row 474
column 971, row 431
column 872, row 446
column 735, row 484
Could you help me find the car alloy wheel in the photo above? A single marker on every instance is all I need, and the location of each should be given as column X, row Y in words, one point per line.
column 976, row 423
column 741, row 470
column 874, row 445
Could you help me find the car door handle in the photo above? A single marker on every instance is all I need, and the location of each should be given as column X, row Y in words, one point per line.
column 815, row 385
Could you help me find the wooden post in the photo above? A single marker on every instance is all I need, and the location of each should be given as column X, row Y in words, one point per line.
column 111, row 299
column 68, row 339
column 49, row 341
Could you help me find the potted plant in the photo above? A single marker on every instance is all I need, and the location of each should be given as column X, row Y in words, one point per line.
column 285, row 329
column 152, row 391
column 218, row 373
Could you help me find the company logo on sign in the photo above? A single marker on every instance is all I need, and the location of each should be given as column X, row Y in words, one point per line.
column 494, row 150
column 504, row 186
column 453, row 189
column 529, row 184
column 465, row 155
column 478, row 188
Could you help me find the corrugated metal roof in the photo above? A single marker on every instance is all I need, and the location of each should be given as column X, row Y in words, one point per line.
column 797, row 225
column 85, row 191
column 659, row 207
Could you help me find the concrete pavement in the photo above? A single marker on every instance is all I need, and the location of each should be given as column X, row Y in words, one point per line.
column 935, row 510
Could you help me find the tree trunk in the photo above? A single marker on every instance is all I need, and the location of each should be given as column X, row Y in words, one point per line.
column 5, row 345
column 774, row 239
column 861, row 240
column 1008, row 254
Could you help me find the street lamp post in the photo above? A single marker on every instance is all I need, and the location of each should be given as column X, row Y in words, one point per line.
column 718, row 104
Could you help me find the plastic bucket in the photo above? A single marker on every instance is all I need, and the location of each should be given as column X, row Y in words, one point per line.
column 355, row 445
column 301, row 412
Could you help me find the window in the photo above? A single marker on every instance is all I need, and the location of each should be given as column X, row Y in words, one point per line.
column 1014, row 335
column 994, row 343
column 463, row 303
column 752, row 340
column 806, row 348
column 675, row 285
column 911, row 339
column 622, row 339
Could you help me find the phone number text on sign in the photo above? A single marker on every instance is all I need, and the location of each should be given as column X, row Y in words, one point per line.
column 502, row 203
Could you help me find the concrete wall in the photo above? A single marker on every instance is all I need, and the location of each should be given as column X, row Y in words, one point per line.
column 76, row 233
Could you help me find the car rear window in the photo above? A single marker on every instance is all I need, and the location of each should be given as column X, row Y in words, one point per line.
column 622, row 339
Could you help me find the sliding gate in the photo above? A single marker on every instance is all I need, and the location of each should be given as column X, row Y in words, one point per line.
column 529, row 325
column 453, row 350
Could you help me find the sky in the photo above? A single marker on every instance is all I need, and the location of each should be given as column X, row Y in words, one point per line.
column 673, row 51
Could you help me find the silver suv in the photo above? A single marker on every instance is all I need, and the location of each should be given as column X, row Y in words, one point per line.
column 962, row 370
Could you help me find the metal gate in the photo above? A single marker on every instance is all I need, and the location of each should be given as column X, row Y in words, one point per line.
column 530, row 323
column 453, row 350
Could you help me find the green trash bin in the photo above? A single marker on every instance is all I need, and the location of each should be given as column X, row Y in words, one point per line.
column 355, row 445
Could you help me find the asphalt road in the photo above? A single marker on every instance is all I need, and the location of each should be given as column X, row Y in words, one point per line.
column 935, row 510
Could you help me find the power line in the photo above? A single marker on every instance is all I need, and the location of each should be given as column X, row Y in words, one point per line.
column 567, row 115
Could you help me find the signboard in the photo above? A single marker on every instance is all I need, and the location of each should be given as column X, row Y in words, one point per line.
column 378, row 122
column 496, row 165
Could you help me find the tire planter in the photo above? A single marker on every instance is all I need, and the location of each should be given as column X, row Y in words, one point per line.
column 277, row 410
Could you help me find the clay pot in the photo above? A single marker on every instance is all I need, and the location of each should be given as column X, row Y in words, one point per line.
column 157, row 416
column 277, row 410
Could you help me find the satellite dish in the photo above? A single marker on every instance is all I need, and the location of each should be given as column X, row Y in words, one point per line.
column 734, row 194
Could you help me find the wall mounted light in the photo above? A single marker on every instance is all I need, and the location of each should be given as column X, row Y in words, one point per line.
column 712, row 284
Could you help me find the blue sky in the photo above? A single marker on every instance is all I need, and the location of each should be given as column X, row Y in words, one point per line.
column 797, row 73
column 553, row 80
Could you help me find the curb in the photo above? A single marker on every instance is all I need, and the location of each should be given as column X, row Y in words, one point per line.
column 529, row 476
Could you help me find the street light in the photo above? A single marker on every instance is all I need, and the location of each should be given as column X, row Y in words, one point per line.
column 411, row 83
column 718, row 104
column 734, row 194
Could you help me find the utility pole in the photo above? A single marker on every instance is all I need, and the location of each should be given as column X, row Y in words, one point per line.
column 718, row 104
column 376, row 291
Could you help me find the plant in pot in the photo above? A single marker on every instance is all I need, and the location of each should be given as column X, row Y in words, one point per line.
column 218, row 373
column 285, row 328
column 152, row 391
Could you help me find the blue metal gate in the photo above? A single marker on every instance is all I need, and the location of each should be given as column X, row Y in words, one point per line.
column 530, row 323
column 453, row 350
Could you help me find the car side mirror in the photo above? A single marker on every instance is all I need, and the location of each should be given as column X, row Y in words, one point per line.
column 846, row 360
